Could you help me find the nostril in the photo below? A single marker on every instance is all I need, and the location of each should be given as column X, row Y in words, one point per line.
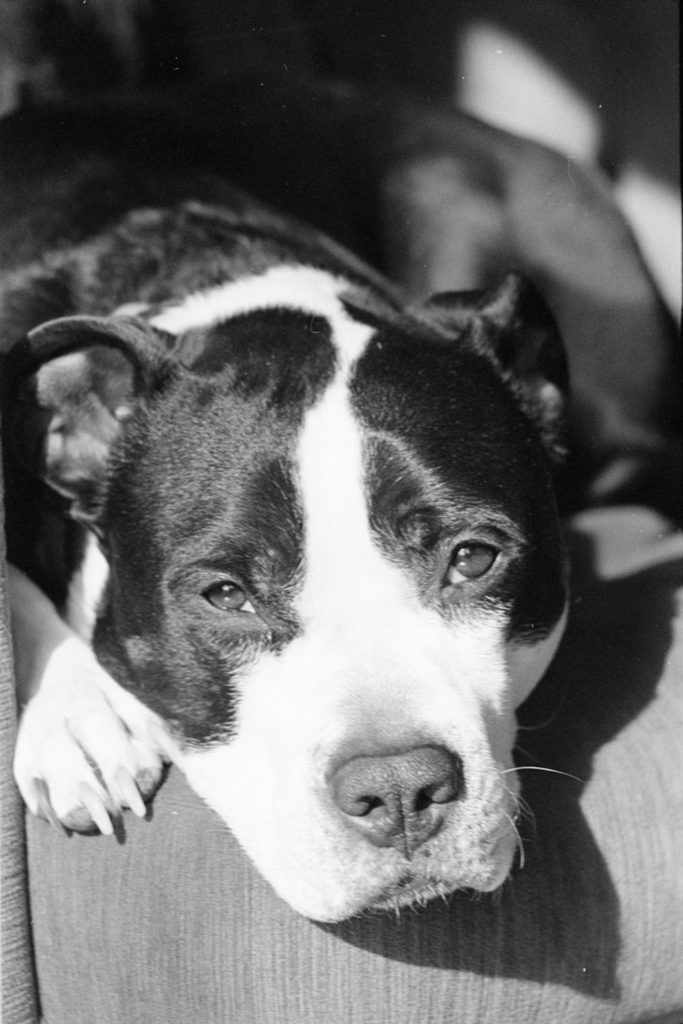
column 444, row 790
column 398, row 799
column 428, row 796
column 356, row 806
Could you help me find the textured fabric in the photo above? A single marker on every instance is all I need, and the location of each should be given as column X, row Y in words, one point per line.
column 170, row 924
column 18, row 1002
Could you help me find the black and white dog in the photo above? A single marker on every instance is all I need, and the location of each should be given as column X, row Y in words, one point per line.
column 320, row 564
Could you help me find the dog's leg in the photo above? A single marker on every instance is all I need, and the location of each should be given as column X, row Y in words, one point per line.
column 85, row 747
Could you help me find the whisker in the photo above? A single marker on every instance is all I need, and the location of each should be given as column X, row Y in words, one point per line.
column 527, row 753
column 526, row 812
column 546, row 722
column 524, row 808
column 537, row 768
column 518, row 839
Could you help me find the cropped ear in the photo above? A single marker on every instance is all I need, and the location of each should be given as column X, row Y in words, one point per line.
column 73, row 384
column 513, row 328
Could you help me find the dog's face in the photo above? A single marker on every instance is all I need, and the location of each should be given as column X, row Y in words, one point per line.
column 335, row 563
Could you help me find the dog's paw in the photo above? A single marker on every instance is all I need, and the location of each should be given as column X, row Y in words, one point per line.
column 86, row 748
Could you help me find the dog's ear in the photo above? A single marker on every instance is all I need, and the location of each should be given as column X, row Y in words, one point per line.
column 512, row 327
column 73, row 385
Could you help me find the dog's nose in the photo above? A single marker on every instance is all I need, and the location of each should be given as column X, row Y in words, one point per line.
column 400, row 799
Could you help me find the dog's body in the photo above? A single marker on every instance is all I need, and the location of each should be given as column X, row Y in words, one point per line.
column 333, row 559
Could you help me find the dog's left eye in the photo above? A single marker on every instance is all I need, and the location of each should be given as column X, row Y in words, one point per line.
column 228, row 597
column 470, row 561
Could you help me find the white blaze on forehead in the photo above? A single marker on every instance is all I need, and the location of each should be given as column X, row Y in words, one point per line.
column 345, row 571
column 294, row 287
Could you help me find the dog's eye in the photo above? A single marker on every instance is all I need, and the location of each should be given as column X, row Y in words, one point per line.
column 470, row 561
column 228, row 597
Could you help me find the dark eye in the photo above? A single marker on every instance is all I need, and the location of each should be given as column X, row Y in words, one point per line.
column 470, row 561
column 228, row 597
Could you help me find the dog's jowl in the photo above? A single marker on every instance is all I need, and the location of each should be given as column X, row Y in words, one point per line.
column 333, row 554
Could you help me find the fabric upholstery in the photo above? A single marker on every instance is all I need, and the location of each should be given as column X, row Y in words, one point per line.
column 18, row 992
column 170, row 924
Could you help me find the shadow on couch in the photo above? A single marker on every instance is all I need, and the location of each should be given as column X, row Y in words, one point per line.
column 609, row 667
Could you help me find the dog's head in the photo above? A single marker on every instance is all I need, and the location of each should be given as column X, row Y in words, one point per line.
column 335, row 560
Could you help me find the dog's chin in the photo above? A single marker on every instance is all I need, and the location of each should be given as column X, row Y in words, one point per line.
column 407, row 893
column 413, row 889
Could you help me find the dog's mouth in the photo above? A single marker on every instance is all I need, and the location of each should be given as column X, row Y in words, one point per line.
column 409, row 890
column 415, row 887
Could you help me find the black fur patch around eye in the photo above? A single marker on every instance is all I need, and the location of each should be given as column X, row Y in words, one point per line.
column 450, row 449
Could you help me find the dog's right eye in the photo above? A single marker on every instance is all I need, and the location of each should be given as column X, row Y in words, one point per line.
column 228, row 597
column 470, row 561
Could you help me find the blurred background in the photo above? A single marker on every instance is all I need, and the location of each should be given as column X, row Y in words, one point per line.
column 598, row 81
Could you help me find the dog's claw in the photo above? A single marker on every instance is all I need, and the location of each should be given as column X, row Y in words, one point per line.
column 96, row 808
column 128, row 791
column 43, row 806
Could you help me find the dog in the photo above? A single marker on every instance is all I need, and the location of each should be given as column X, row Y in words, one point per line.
column 314, row 555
